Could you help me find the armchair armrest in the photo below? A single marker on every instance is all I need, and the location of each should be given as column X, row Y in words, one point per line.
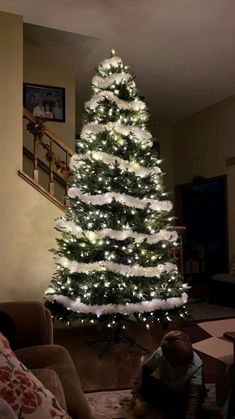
column 33, row 322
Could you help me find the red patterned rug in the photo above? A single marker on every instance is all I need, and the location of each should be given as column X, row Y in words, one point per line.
column 115, row 404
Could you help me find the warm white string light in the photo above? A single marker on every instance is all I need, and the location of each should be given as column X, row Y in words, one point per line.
column 110, row 62
column 107, row 198
column 110, row 160
column 78, row 232
column 126, row 270
column 135, row 105
column 92, row 129
column 128, row 308
column 116, row 78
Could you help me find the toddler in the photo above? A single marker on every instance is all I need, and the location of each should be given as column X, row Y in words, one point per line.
column 172, row 378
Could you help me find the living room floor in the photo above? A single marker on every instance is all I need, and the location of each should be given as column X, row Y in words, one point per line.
column 117, row 368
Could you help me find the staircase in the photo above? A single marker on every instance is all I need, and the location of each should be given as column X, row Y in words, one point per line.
column 46, row 161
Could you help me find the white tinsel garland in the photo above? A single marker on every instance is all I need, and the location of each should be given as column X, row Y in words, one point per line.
column 126, row 130
column 110, row 62
column 145, row 306
column 110, row 160
column 102, row 83
column 76, row 230
column 125, row 270
column 107, row 198
column 135, row 105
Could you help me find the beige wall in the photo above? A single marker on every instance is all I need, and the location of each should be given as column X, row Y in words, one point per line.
column 201, row 143
column 27, row 218
column 40, row 68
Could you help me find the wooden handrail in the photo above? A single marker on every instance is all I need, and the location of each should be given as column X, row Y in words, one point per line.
column 49, row 133
column 46, row 138
column 44, row 167
column 40, row 189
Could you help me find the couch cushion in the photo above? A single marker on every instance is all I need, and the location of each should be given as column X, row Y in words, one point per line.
column 28, row 317
column 57, row 358
column 51, row 381
column 23, row 391
column 6, row 411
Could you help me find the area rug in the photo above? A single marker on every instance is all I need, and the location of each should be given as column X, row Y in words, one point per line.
column 115, row 404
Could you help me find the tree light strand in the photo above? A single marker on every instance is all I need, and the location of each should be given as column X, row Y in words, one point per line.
column 93, row 128
column 126, row 270
column 110, row 62
column 110, row 160
column 135, row 105
column 128, row 308
column 117, row 78
column 78, row 232
column 107, row 198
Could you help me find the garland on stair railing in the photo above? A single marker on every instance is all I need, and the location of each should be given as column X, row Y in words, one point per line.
column 37, row 129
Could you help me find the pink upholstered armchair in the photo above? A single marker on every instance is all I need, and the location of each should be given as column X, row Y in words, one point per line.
column 33, row 323
column 51, row 364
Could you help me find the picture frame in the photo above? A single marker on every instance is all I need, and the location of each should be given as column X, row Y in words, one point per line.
column 47, row 102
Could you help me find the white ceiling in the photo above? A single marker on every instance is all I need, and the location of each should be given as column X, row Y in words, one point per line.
column 181, row 51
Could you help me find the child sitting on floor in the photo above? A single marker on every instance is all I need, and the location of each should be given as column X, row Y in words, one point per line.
column 172, row 379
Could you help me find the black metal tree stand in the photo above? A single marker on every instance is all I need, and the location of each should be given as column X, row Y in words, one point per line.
column 118, row 337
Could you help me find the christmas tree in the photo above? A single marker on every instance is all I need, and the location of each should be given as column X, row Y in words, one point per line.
column 113, row 258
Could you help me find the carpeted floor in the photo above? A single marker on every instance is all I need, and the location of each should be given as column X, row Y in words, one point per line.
column 116, row 404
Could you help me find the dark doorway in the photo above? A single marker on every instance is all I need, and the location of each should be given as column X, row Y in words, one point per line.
column 201, row 206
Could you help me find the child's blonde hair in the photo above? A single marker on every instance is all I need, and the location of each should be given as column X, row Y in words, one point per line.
column 177, row 345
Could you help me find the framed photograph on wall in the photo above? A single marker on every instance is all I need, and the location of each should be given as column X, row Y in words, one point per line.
column 45, row 101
